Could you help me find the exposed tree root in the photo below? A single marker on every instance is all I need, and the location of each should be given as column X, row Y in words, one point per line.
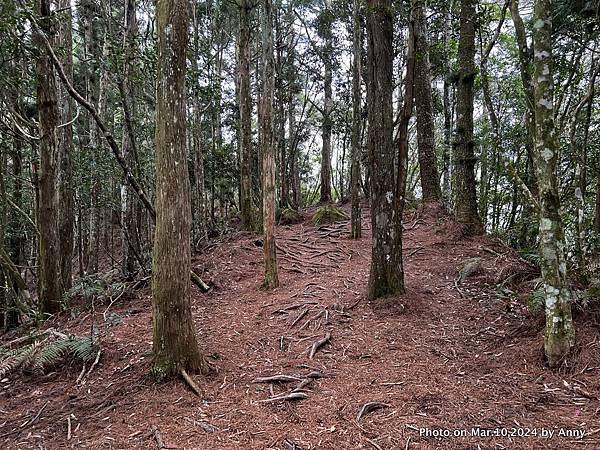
column 370, row 407
column 317, row 345
column 191, row 383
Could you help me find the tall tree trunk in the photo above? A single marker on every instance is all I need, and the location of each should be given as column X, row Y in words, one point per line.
column 326, row 31
column 560, row 333
column 386, row 275
column 199, row 206
column 430, row 182
column 129, row 233
column 466, row 195
column 355, row 218
column 446, row 166
column 49, row 284
column 174, row 339
column 268, row 151
column 246, row 204
column 66, row 204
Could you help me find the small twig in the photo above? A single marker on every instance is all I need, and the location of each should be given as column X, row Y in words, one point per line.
column 68, row 427
column 373, row 443
column 95, row 362
column 192, row 384
column 416, row 250
column 81, row 374
column 370, row 407
column 318, row 344
column 458, row 289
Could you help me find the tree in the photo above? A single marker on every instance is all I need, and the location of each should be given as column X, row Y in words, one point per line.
column 66, row 207
column 355, row 218
column 466, row 195
column 174, row 340
column 49, row 285
column 386, row 275
column 430, row 184
column 268, row 149
column 325, row 30
column 129, row 233
column 246, row 204
column 560, row 334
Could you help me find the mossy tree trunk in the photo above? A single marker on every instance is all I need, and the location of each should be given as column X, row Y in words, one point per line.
column 49, row 284
column 560, row 333
column 464, row 173
column 355, row 218
column 174, row 340
column 386, row 275
column 430, row 184
column 268, row 151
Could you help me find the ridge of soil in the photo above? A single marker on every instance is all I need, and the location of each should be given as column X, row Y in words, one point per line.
column 443, row 356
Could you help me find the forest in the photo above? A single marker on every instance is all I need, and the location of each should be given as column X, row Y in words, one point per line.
column 300, row 224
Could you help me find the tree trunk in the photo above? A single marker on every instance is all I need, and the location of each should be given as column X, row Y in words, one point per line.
column 49, row 284
column 430, row 182
column 246, row 204
column 355, row 218
column 325, row 29
column 268, row 151
column 199, row 207
column 466, row 195
column 66, row 206
column 560, row 333
column 174, row 340
column 386, row 275
column 129, row 233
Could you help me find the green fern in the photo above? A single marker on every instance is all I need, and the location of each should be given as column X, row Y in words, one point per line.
column 533, row 258
column 537, row 299
column 40, row 355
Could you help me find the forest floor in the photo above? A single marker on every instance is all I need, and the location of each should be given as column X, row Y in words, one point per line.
column 461, row 358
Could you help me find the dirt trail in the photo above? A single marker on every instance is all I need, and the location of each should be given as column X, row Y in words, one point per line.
column 442, row 357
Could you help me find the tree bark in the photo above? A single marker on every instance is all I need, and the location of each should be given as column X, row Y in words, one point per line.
column 560, row 333
column 325, row 29
column 174, row 340
column 466, row 194
column 129, row 233
column 268, row 151
column 430, row 184
column 49, row 284
column 386, row 275
column 246, row 204
column 66, row 204
column 355, row 217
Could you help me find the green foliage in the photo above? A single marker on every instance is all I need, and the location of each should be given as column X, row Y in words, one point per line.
column 287, row 216
column 329, row 214
column 41, row 355
column 537, row 299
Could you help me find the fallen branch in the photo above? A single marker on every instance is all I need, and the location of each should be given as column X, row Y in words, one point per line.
column 286, row 397
column 277, row 379
column 370, row 407
column 191, row 383
column 317, row 345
